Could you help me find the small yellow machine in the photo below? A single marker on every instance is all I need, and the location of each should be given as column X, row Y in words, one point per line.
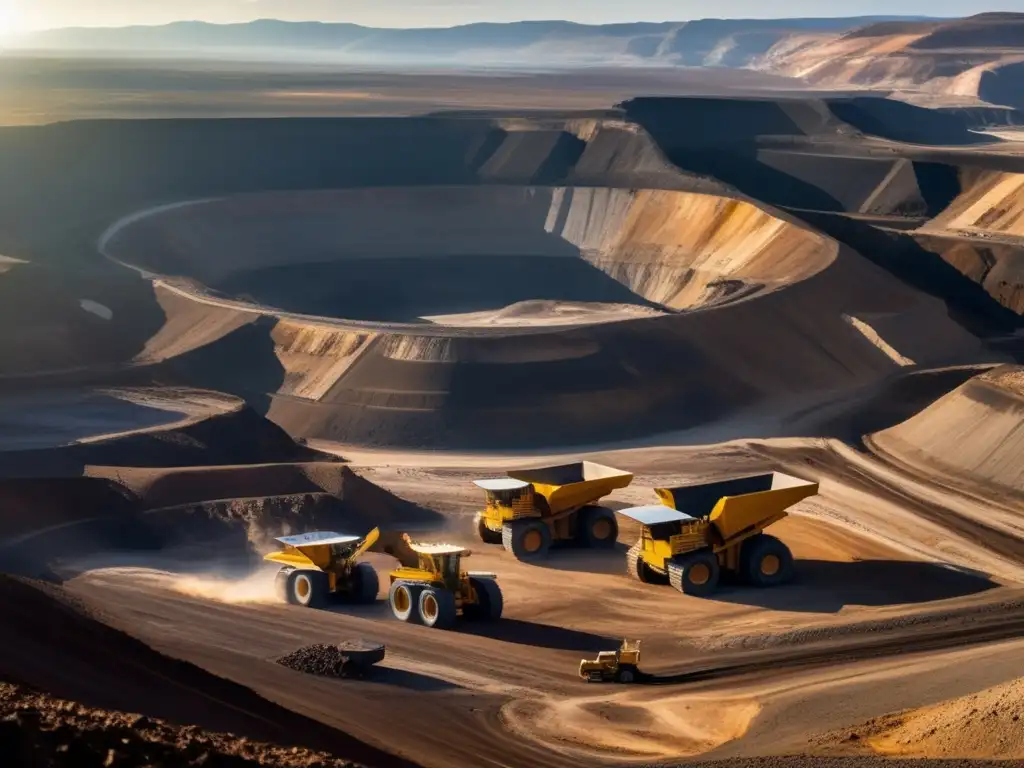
column 700, row 532
column 533, row 508
column 435, row 591
column 317, row 566
column 621, row 666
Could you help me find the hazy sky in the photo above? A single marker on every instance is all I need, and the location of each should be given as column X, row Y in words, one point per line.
column 34, row 14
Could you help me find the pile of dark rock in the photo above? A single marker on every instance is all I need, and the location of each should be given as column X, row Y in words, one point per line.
column 352, row 658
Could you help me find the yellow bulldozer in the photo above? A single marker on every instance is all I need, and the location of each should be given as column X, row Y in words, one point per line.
column 700, row 532
column 431, row 588
column 531, row 509
column 621, row 666
column 319, row 566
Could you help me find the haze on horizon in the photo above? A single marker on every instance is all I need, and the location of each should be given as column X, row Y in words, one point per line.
column 24, row 15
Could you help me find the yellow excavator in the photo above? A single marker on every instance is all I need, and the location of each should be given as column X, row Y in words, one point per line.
column 319, row 566
column 700, row 532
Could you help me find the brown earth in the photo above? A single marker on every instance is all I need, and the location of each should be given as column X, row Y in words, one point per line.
column 982, row 724
column 762, row 342
column 973, row 437
column 37, row 729
column 961, row 61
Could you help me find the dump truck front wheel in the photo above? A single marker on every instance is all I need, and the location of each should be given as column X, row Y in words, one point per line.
column 638, row 569
column 404, row 599
column 365, row 584
column 437, row 608
column 309, row 588
column 598, row 528
column 765, row 561
column 487, row 536
column 526, row 539
column 490, row 602
column 695, row 574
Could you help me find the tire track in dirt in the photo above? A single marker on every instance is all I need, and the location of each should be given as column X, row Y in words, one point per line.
column 990, row 624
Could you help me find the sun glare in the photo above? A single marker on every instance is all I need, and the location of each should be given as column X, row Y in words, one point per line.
column 10, row 18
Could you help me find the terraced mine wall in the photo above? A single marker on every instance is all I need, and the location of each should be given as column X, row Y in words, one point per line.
column 798, row 155
column 745, row 305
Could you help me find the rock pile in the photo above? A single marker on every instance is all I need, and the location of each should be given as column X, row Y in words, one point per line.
column 347, row 659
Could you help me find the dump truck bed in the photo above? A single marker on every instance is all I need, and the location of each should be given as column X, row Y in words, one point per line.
column 737, row 505
column 567, row 486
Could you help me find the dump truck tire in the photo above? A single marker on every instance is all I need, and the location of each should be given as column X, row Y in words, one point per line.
column 487, row 536
column 526, row 539
column 437, row 608
column 491, row 602
column 281, row 584
column 637, row 569
column 765, row 561
column 404, row 599
column 695, row 574
column 598, row 528
column 365, row 584
column 311, row 589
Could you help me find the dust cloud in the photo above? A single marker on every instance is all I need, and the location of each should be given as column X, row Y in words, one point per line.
column 255, row 588
column 219, row 586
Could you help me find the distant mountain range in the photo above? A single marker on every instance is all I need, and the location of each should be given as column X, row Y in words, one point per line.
column 708, row 42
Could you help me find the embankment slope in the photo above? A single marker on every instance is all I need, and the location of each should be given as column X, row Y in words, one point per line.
column 973, row 437
column 55, row 647
column 961, row 61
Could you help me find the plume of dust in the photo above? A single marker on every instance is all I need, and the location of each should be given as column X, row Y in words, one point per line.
column 257, row 587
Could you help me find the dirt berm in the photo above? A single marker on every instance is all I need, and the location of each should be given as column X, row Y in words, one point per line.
column 972, row 438
column 104, row 676
column 234, row 512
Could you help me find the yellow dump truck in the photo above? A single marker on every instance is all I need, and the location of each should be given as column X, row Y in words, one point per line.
column 431, row 588
column 531, row 509
column 320, row 565
column 700, row 532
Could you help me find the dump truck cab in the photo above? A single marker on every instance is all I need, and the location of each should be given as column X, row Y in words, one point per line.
column 701, row 531
column 531, row 509
column 319, row 565
column 620, row 666
column 507, row 499
column 436, row 591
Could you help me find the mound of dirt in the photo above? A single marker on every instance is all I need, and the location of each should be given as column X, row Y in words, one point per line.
column 988, row 724
column 244, row 509
column 39, row 730
column 49, row 644
column 971, row 438
column 34, row 504
column 341, row 660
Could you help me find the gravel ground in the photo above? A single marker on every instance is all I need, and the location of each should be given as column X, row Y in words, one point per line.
column 40, row 731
